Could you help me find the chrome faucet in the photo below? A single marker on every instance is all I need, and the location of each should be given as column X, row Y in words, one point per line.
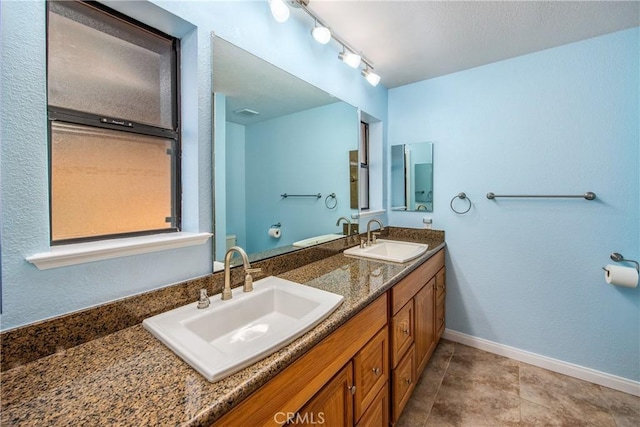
column 369, row 242
column 348, row 224
column 248, row 279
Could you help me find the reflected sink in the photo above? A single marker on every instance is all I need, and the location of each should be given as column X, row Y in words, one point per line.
column 317, row 240
column 230, row 335
column 389, row 250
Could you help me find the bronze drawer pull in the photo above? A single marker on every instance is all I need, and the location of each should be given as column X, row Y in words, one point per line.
column 376, row 371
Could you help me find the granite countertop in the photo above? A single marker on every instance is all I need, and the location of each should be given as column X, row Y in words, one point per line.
column 131, row 378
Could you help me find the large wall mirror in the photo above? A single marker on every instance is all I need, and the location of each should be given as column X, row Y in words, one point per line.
column 282, row 136
column 412, row 177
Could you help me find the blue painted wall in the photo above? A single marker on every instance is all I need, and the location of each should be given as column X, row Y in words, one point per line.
column 236, row 185
column 523, row 273
column 527, row 273
column 302, row 153
column 30, row 295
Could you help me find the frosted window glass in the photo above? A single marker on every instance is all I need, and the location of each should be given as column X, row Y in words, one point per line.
column 108, row 182
column 106, row 66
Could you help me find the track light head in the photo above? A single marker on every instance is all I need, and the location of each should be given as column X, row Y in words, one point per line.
column 371, row 77
column 321, row 34
column 279, row 10
column 350, row 58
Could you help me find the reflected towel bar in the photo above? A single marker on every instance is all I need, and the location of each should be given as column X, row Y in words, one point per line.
column 285, row 195
column 588, row 196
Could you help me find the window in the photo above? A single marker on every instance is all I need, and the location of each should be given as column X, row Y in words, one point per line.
column 364, row 165
column 114, row 135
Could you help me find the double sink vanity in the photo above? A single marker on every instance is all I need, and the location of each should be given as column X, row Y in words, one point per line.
column 339, row 340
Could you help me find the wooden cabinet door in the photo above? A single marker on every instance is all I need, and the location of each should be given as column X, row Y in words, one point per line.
column 332, row 405
column 371, row 371
column 377, row 415
column 441, row 292
column 425, row 336
column 403, row 383
column 401, row 332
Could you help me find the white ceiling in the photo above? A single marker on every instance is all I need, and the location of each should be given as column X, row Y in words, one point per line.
column 235, row 73
column 410, row 41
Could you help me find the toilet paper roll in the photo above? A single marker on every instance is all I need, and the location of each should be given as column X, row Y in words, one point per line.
column 621, row 276
column 274, row 232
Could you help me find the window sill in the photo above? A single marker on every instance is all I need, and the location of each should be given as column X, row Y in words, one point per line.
column 368, row 213
column 80, row 253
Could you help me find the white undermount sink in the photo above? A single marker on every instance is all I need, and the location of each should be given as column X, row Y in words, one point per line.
column 389, row 250
column 230, row 335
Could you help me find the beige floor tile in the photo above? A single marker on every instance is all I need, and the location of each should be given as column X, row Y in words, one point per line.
column 467, row 387
column 478, row 389
column 419, row 406
column 414, row 415
column 483, row 372
column 579, row 399
column 456, row 407
column 534, row 415
column 624, row 407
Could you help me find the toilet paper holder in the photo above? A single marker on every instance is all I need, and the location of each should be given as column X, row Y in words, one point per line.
column 619, row 258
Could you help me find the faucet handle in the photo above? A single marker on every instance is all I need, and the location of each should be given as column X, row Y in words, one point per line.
column 248, row 278
column 375, row 235
column 203, row 301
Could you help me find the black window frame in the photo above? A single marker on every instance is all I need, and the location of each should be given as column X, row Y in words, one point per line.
column 123, row 124
column 364, row 160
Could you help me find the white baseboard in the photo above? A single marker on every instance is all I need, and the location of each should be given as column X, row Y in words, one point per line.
column 555, row 365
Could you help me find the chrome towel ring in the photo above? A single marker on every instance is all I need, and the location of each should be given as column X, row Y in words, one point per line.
column 460, row 196
column 329, row 203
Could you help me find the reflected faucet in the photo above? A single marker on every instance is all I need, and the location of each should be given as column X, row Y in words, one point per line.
column 369, row 242
column 348, row 224
column 248, row 279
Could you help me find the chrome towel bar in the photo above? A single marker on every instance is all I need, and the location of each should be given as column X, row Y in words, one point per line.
column 285, row 195
column 588, row 196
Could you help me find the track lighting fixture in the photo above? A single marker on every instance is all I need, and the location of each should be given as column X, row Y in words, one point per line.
column 279, row 10
column 351, row 59
column 322, row 34
column 371, row 77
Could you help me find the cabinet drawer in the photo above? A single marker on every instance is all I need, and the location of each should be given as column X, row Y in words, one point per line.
column 410, row 285
column 441, row 283
column 371, row 369
column 377, row 415
column 403, row 384
column 402, row 331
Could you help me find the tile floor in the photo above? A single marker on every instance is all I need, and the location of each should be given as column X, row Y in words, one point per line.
column 463, row 386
